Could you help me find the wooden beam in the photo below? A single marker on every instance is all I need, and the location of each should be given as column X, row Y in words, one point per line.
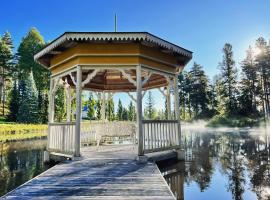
column 89, row 77
column 132, row 97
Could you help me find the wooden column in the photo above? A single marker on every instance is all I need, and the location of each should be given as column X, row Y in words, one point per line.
column 176, row 107
column 139, row 110
column 51, row 102
column 68, row 97
column 103, row 105
column 168, row 99
column 78, row 111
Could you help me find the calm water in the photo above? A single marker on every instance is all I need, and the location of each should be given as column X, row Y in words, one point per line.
column 221, row 165
column 19, row 162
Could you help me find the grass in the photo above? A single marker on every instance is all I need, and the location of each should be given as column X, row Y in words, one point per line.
column 232, row 121
column 16, row 132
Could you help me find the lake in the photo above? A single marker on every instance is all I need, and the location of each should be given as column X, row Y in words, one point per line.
column 19, row 162
column 221, row 164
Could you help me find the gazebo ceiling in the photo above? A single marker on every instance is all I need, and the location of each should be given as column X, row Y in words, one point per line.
column 110, row 51
column 114, row 81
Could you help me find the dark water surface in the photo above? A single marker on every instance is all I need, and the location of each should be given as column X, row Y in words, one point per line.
column 19, row 162
column 221, row 165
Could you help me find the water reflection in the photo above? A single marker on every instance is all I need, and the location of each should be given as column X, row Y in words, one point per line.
column 19, row 162
column 221, row 165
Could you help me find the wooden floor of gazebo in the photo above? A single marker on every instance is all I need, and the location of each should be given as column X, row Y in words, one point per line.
column 109, row 172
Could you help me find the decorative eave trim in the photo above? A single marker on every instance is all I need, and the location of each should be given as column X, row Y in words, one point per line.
column 111, row 36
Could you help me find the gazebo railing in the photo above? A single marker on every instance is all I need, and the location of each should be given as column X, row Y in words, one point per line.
column 160, row 135
column 61, row 138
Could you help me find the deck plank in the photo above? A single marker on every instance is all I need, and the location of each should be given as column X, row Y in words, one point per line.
column 106, row 173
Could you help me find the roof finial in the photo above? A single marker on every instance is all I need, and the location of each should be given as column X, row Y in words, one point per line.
column 115, row 22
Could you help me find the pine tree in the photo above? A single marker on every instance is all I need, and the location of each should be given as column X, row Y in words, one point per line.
column 149, row 109
column 120, row 109
column 262, row 62
column 249, row 85
column 125, row 114
column 28, row 109
column 28, row 47
column 98, row 109
column 91, row 103
column 14, row 103
column 60, row 104
column 229, row 80
column 131, row 112
column 6, row 66
column 110, row 110
column 199, row 88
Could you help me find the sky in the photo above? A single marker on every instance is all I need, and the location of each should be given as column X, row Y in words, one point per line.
column 200, row 26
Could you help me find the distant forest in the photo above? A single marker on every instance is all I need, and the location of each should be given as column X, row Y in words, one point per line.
column 238, row 95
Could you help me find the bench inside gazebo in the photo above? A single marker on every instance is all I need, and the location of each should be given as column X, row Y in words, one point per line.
column 106, row 63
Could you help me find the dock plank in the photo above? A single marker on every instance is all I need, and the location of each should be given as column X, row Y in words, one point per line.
column 98, row 175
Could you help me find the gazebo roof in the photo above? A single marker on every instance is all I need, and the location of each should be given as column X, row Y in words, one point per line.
column 70, row 39
column 109, row 59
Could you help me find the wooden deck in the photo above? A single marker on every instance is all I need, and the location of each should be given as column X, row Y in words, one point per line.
column 111, row 172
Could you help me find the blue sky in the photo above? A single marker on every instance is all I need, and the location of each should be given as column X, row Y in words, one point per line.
column 200, row 26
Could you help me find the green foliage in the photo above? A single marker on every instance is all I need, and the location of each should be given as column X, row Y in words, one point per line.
column 131, row 112
column 28, row 47
column 98, row 105
column 28, row 110
column 60, row 104
column 120, row 109
column 149, row 111
column 14, row 103
column 110, row 110
column 232, row 121
column 228, row 80
column 91, row 103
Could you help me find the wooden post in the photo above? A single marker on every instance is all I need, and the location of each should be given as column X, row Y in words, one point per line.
column 103, row 104
column 78, row 111
column 68, row 97
column 51, row 102
column 139, row 110
column 168, row 99
column 176, row 107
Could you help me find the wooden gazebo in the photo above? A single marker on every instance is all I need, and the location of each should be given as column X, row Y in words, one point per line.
column 114, row 62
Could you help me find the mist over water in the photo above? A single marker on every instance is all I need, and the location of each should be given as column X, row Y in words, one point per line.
column 221, row 163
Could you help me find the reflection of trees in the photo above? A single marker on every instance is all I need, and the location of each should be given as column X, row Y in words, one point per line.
column 257, row 152
column 233, row 164
column 244, row 161
column 19, row 165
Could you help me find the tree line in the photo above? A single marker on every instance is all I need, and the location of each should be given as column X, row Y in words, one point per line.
column 242, row 91
column 235, row 91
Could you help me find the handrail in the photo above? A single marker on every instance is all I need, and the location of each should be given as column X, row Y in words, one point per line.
column 160, row 121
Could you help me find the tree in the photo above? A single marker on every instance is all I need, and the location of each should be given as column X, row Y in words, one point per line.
column 149, row 109
column 28, row 109
column 6, row 65
column 125, row 114
column 199, row 87
column 60, row 106
column 91, row 103
column 120, row 109
column 131, row 112
column 28, row 47
column 249, row 85
column 228, row 80
column 14, row 103
column 110, row 110
column 262, row 62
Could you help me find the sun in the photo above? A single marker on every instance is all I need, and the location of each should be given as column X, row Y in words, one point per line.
column 256, row 51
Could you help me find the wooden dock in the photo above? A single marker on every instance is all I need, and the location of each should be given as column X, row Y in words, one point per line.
column 111, row 172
